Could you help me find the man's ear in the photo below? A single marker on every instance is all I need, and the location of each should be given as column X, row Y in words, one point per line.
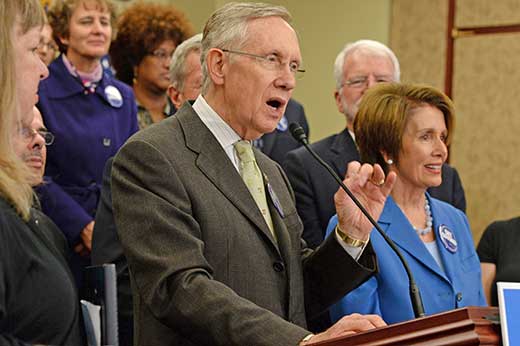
column 175, row 96
column 339, row 104
column 216, row 64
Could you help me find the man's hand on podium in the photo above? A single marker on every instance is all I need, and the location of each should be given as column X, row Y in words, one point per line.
column 350, row 324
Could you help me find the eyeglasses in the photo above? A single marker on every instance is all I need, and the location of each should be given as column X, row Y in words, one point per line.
column 161, row 55
column 272, row 62
column 362, row 81
column 28, row 134
column 49, row 45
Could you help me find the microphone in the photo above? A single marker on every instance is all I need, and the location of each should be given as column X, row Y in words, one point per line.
column 415, row 296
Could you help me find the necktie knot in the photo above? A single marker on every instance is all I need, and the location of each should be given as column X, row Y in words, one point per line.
column 245, row 151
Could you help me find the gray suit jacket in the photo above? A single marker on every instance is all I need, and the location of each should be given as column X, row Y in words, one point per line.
column 204, row 266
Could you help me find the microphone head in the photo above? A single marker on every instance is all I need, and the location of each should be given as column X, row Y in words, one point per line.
column 298, row 132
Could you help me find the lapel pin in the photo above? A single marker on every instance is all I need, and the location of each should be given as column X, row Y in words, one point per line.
column 448, row 239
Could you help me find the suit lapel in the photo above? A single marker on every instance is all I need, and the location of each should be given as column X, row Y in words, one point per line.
column 216, row 166
column 275, row 207
column 399, row 229
column 449, row 259
column 343, row 150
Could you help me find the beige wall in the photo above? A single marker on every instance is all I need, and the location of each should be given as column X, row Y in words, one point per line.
column 324, row 28
column 485, row 88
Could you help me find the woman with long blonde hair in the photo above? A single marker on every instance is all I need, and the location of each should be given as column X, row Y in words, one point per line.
column 38, row 300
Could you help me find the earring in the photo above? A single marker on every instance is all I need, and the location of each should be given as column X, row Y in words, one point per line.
column 134, row 79
column 390, row 161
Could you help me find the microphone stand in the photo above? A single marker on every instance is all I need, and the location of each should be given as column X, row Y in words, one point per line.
column 415, row 295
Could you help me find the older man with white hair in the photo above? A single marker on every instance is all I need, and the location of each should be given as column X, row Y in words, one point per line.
column 208, row 223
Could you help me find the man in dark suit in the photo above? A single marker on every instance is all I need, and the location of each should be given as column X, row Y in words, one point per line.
column 358, row 66
column 278, row 143
column 208, row 224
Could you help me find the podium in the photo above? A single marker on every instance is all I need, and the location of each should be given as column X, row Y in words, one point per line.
column 465, row 326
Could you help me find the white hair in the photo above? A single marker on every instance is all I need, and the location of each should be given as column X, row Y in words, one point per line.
column 178, row 61
column 369, row 48
column 227, row 28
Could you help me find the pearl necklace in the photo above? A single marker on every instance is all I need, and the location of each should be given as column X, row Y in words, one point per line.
column 429, row 220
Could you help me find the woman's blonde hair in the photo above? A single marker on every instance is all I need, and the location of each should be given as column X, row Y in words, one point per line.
column 21, row 16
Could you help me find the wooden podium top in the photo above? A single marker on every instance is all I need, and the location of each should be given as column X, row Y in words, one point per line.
column 465, row 326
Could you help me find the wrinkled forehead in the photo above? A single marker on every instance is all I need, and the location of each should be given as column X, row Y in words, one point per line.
column 272, row 33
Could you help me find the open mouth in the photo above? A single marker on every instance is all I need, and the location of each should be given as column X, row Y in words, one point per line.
column 434, row 167
column 275, row 103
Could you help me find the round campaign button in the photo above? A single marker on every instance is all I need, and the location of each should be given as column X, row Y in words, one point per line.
column 448, row 239
column 114, row 96
column 283, row 124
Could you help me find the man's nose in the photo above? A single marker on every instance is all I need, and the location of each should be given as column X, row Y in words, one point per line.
column 371, row 81
column 287, row 78
column 38, row 141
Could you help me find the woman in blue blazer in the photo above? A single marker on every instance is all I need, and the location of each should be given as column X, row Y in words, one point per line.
column 406, row 129
column 90, row 113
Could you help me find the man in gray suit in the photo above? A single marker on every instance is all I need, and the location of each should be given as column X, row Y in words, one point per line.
column 212, row 260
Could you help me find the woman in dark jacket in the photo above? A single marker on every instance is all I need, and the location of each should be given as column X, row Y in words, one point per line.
column 38, row 300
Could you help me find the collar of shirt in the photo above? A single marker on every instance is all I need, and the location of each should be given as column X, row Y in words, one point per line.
column 352, row 135
column 85, row 77
column 224, row 134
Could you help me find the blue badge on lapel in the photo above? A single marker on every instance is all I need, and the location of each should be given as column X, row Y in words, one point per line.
column 448, row 239
column 114, row 96
column 283, row 124
column 273, row 196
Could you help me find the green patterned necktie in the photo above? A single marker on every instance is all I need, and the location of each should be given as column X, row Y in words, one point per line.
column 253, row 179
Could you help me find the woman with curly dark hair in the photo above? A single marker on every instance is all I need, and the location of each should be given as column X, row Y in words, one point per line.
column 147, row 35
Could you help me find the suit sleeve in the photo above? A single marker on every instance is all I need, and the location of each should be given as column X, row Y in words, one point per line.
column 336, row 273
column 106, row 246
column 305, row 198
column 134, row 122
column 166, row 257
column 60, row 207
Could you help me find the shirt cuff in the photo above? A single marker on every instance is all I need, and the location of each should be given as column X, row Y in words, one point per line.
column 354, row 252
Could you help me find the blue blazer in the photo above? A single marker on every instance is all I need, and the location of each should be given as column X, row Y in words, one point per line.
column 89, row 128
column 386, row 293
